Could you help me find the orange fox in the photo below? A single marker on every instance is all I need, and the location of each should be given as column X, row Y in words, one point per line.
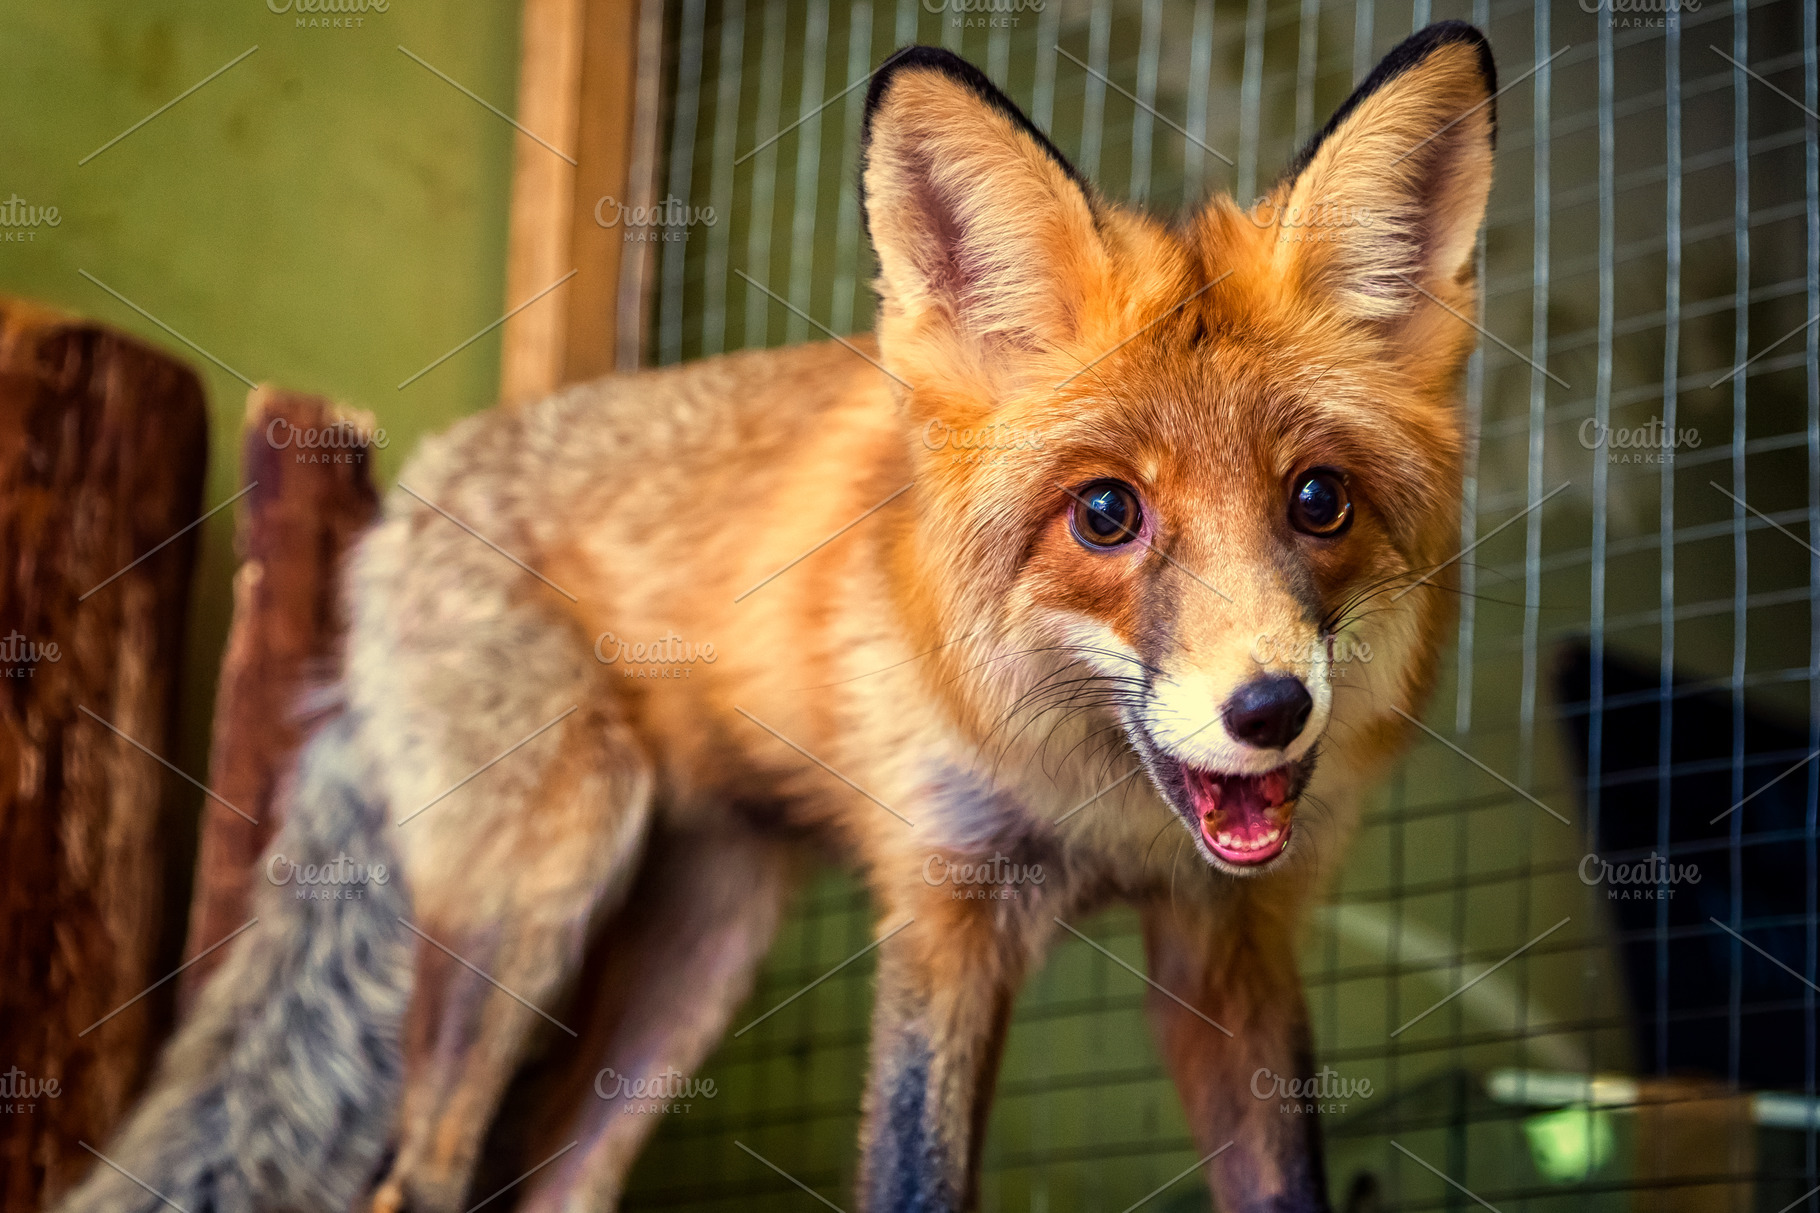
column 1036, row 590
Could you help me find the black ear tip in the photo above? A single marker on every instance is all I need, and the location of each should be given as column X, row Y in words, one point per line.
column 1425, row 42
column 963, row 73
column 1404, row 56
column 1445, row 33
column 928, row 58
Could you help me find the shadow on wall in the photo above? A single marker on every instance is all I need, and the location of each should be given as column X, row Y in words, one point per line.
column 1722, row 986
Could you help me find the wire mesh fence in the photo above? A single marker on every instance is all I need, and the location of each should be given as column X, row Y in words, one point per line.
column 1609, row 832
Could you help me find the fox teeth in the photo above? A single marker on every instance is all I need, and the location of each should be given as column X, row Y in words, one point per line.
column 1231, row 841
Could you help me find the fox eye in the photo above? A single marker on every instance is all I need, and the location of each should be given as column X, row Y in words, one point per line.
column 1106, row 514
column 1319, row 504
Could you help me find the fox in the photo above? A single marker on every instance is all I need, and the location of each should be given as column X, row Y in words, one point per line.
column 1051, row 580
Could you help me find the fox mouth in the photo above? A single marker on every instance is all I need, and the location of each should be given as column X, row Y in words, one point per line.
column 1246, row 820
column 1243, row 821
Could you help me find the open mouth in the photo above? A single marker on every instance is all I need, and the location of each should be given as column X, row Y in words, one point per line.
column 1244, row 819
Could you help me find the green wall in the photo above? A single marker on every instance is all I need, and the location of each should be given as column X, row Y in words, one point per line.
column 325, row 215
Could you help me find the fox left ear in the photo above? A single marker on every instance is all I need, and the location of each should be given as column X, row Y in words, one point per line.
column 1386, row 201
column 984, row 232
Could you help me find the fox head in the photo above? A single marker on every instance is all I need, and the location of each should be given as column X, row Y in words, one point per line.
column 1201, row 481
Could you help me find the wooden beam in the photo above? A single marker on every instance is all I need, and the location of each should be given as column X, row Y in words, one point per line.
column 579, row 91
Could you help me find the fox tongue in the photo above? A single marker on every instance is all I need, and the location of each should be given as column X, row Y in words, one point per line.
column 1244, row 818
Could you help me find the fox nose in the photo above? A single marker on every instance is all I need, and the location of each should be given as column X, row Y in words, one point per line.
column 1268, row 712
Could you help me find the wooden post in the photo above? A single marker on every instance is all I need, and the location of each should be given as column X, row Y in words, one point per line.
column 580, row 91
column 311, row 495
column 103, row 444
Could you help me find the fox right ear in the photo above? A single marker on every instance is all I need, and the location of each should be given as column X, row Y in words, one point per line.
column 1399, row 178
column 984, row 231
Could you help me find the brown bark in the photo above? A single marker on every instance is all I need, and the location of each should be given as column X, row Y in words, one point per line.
column 103, row 445
column 308, row 504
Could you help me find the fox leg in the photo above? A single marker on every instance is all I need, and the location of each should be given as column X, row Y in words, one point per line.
column 946, row 983
column 1236, row 967
column 666, row 974
column 504, row 897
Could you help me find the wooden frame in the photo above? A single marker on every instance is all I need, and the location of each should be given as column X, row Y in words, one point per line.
column 589, row 84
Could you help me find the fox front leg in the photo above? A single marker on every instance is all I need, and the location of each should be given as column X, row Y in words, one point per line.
column 1235, row 967
column 945, row 988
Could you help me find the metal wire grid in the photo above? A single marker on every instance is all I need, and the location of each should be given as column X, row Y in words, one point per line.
column 1656, row 280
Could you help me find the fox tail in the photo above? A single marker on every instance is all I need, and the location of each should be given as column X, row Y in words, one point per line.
column 277, row 1091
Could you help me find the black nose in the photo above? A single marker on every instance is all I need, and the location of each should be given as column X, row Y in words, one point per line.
column 1268, row 712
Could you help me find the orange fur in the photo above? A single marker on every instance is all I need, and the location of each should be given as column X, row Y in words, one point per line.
column 920, row 659
column 1205, row 363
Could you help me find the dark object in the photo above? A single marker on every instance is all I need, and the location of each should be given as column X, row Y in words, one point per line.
column 1365, row 1195
column 1679, row 965
column 103, row 441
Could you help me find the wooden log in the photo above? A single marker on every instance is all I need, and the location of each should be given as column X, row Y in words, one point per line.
column 103, row 445
column 306, row 466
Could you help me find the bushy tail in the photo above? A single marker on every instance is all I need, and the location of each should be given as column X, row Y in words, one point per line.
column 277, row 1092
